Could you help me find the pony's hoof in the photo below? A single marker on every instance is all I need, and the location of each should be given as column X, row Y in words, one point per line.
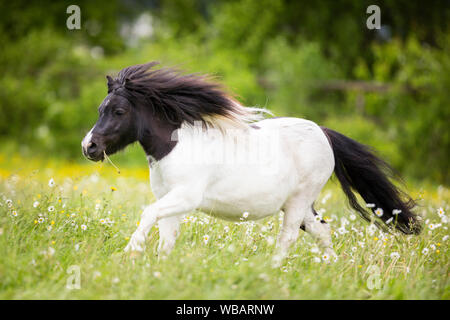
column 135, row 254
column 276, row 261
column 133, row 248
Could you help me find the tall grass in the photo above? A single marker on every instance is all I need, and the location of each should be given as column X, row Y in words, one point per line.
column 84, row 216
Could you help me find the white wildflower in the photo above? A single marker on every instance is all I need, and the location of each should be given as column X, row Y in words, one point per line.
column 379, row 212
column 50, row 251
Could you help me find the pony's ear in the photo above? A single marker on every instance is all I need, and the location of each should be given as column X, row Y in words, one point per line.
column 110, row 83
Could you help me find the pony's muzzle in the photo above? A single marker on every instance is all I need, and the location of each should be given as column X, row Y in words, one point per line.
column 91, row 148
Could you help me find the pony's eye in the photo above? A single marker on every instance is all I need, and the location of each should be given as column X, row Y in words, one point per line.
column 119, row 112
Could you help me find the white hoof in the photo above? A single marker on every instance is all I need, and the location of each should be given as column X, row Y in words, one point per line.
column 135, row 243
column 277, row 260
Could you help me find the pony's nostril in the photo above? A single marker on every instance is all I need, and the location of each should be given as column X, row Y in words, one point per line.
column 91, row 146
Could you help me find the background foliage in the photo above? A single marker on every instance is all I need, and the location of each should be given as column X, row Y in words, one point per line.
column 388, row 88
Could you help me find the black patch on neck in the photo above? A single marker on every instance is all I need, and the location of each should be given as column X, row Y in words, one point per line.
column 157, row 138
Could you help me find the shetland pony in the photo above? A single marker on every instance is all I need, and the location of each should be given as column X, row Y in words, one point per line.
column 206, row 151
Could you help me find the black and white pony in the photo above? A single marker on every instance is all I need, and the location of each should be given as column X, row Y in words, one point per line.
column 208, row 152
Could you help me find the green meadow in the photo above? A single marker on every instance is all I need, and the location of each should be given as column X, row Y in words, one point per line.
column 60, row 220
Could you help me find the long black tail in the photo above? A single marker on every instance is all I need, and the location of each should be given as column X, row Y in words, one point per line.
column 358, row 169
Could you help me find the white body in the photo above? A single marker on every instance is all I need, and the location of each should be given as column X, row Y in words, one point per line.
column 286, row 173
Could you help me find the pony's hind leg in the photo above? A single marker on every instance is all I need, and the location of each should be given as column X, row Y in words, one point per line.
column 319, row 230
column 295, row 211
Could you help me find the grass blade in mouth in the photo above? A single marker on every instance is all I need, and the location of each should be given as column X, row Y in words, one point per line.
column 109, row 160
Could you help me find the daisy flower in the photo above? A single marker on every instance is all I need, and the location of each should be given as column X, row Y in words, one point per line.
column 379, row 212
column 35, row 204
column 9, row 203
column 431, row 226
column 245, row 215
column 396, row 212
column 316, row 259
column 425, row 251
column 49, row 228
column 51, row 183
column 14, row 213
column 325, row 257
column 205, row 239
column 395, row 255
column 40, row 220
column 51, row 209
column 440, row 212
column 83, row 227
column 371, row 229
column 370, row 205
column 389, row 220
column 342, row 230
column 102, row 221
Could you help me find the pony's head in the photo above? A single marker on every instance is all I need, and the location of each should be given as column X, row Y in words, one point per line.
column 148, row 105
column 116, row 126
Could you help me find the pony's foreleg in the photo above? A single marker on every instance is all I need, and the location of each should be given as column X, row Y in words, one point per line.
column 176, row 202
column 168, row 232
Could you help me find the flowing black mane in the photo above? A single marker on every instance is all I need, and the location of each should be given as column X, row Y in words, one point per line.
column 176, row 98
